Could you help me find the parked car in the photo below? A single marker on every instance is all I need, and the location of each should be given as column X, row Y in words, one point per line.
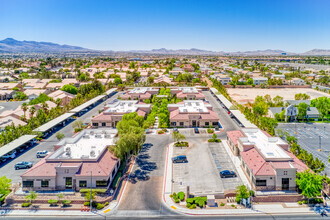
column 2, row 159
column 11, row 155
column 180, row 159
column 196, row 130
column 175, row 130
column 41, row 154
column 23, row 165
column 227, row 173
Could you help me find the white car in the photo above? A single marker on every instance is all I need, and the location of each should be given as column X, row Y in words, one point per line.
column 11, row 155
column 41, row 154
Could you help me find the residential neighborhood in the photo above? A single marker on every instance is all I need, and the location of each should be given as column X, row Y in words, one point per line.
column 105, row 112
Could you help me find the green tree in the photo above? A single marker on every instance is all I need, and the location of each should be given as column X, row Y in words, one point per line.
column 302, row 110
column 242, row 193
column 151, row 79
column 59, row 136
column 31, row 197
column 4, row 185
column 309, row 183
column 24, row 108
column 177, row 136
column 70, row 89
column 118, row 81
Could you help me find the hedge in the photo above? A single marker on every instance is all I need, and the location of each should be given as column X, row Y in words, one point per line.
column 181, row 144
column 214, row 140
column 52, row 201
column 115, row 182
column 66, row 202
column 26, row 204
column 98, row 191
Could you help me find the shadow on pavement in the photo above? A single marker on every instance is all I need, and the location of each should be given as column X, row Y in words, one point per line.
column 144, row 166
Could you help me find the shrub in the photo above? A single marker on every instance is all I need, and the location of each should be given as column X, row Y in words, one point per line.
column 76, row 130
column 214, row 140
column 222, row 204
column 193, row 206
column 181, row 195
column 176, row 200
column 106, row 203
column 99, row 206
column 26, row 204
column 66, row 202
column 200, row 201
column 98, row 191
column 116, row 180
column 190, row 200
column 52, row 201
column 161, row 132
column 210, row 131
column 232, row 205
column 181, row 144
column 188, row 205
column 300, row 202
column 305, row 202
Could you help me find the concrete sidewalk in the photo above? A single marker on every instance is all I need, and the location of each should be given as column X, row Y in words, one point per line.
column 263, row 209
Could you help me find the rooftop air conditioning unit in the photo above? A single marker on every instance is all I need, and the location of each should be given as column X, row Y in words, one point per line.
column 92, row 153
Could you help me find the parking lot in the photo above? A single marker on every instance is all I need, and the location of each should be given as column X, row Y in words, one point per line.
column 201, row 173
column 7, row 169
column 312, row 137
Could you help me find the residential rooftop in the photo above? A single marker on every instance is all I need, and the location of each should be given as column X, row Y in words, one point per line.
column 268, row 146
column 87, row 145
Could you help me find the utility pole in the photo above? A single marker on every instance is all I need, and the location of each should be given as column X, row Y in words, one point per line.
column 91, row 196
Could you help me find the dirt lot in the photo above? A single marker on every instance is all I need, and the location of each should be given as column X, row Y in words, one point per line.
column 243, row 96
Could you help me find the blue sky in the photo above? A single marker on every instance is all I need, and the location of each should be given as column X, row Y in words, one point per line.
column 291, row 25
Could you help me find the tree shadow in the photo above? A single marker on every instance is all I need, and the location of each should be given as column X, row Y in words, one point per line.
column 144, row 166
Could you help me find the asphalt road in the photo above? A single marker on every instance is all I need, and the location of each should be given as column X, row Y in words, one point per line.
column 144, row 189
column 47, row 144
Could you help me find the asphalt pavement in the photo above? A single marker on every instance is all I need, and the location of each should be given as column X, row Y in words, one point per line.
column 47, row 144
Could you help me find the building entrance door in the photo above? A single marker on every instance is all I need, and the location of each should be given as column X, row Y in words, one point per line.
column 285, row 184
column 68, row 182
column 194, row 123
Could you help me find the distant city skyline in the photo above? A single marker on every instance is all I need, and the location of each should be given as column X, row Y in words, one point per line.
column 230, row 26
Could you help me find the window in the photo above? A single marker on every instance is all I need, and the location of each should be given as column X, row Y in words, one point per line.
column 181, row 123
column 285, row 173
column 207, row 123
column 82, row 183
column 103, row 124
column 215, row 123
column 101, row 183
column 44, row 183
column 28, row 183
column 261, row 182
column 173, row 123
column 95, row 124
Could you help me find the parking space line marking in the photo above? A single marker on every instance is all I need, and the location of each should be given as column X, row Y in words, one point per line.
column 173, row 207
column 108, row 210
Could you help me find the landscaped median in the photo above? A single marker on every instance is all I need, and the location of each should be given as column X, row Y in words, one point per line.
column 178, row 201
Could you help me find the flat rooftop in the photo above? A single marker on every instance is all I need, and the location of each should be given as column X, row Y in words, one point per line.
column 142, row 89
column 87, row 145
column 188, row 89
column 190, row 106
column 124, row 106
column 267, row 146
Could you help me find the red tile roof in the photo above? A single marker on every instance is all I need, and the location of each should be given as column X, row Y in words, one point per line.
column 234, row 135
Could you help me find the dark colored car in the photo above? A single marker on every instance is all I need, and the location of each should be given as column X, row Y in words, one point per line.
column 196, row 130
column 23, row 165
column 180, row 159
column 227, row 173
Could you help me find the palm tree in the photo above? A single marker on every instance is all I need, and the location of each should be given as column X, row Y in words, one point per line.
column 24, row 108
column 32, row 111
column 45, row 107
column 58, row 102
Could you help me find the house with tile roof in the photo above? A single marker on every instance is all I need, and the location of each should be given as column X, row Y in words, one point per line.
column 266, row 161
column 83, row 161
column 64, row 96
column 140, row 93
column 192, row 113
column 114, row 111
column 188, row 93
